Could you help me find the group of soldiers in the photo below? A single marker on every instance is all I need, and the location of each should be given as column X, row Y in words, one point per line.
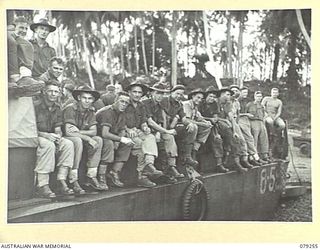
column 133, row 121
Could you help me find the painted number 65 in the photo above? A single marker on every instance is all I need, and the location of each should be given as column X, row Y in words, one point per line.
column 267, row 180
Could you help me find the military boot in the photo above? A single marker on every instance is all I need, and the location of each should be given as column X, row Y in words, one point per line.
column 115, row 179
column 77, row 189
column 220, row 168
column 102, row 177
column 63, row 189
column 244, row 162
column 143, row 181
column 238, row 166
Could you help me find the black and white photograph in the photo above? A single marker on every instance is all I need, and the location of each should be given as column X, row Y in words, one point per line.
column 160, row 115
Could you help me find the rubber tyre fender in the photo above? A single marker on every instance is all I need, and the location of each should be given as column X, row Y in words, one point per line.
column 195, row 189
column 305, row 149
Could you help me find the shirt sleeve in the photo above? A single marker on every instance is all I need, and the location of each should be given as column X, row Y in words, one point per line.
column 264, row 101
column 59, row 121
column 106, row 119
column 92, row 120
column 69, row 116
column 187, row 110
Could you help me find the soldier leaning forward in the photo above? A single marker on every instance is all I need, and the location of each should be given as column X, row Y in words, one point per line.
column 186, row 130
column 226, row 127
column 51, row 145
column 145, row 146
column 81, row 128
column 158, row 121
column 202, row 126
column 209, row 110
column 116, row 147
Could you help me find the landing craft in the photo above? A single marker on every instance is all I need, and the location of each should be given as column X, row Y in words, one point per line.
column 232, row 196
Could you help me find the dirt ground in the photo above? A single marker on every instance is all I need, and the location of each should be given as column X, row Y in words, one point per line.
column 298, row 208
column 301, row 162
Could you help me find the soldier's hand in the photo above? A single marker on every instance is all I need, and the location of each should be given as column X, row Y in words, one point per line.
column 72, row 129
column 207, row 124
column 190, row 127
column 127, row 141
column 53, row 137
column 171, row 132
column 131, row 133
column 146, row 130
column 93, row 143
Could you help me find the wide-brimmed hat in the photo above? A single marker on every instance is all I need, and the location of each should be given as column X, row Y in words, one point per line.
column 234, row 86
column 69, row 86
column 224, row 90
column 42, row 22
column 85, row 89
column 160, row 88
column 211, row 90
column 194, row 92
column 179, row 86
column 144, row 87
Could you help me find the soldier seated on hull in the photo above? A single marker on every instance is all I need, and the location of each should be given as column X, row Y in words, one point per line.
column 273, row 109
column 186, row 130
column 258, row 128
column 145, row 146
column 51, row 144
column 226, row 126
column 203, row 127
column 159, row 122
column 116, row 147
column 209, row 110
column 81, row 128
column 242, row 119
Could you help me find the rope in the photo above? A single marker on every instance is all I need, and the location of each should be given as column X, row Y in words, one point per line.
column 294, row 167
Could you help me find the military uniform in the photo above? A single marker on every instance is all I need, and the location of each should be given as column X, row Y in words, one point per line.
column 83, row 119
column 258, row 128
column 48, row 119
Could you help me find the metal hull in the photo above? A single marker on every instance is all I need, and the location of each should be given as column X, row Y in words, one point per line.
column 252, row 196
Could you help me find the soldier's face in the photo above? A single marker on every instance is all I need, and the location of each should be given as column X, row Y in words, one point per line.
column 274, row 93
column 178, row 94
column 244, row 93
column 197, row 98
column 236, row 92
column 86, row 100
column 258, row 97
column 157, row 96
column 42, row 32
column 52, row 93
column 211, row 98
column 225, row 97
column 21, row 29
column 122, row 103
column 56, row 69
column 136, row 93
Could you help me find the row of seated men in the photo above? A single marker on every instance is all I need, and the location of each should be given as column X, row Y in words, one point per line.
column 134, row 124
column 67, row 124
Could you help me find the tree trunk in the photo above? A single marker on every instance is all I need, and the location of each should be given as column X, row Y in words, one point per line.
column 276, row 62
column 208, row 48
column 101, row 50
column 121, row 51
column 174, row 49
column 136, row 54
column 110, row 57
column 240, row 52
column 129, row 58
column 229, row 45
column 153, row 49
column 293, row 78
column 86, row 52
column 303, row 28
column 144, row 53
